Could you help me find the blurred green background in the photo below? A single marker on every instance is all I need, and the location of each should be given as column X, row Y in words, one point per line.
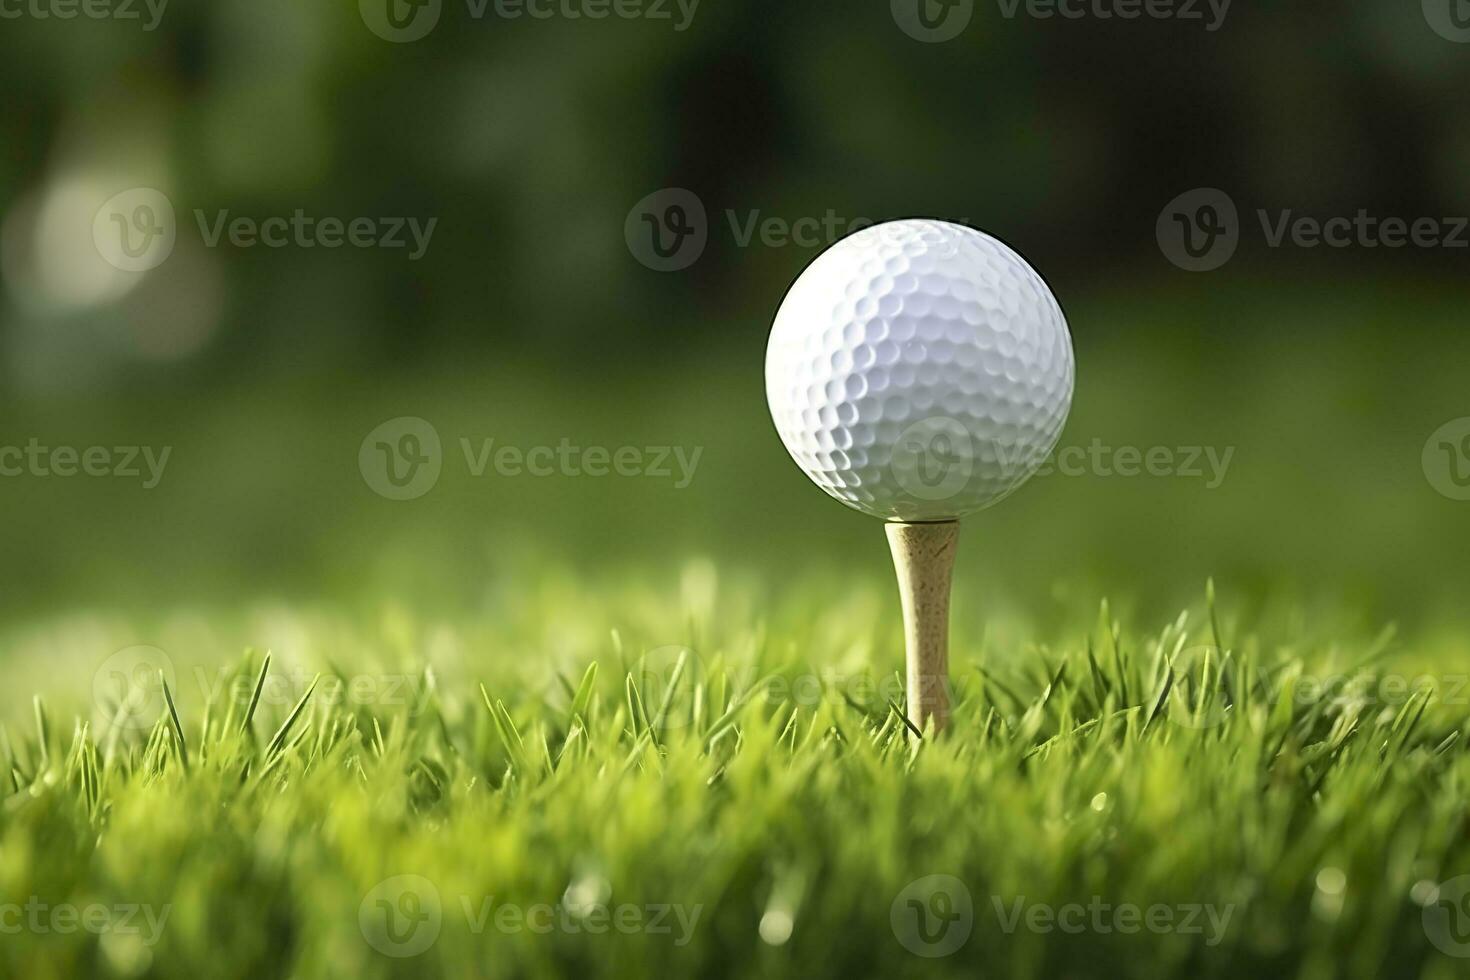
column 530, row 319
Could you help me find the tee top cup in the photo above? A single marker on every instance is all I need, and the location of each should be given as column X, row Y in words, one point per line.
column 920, row 371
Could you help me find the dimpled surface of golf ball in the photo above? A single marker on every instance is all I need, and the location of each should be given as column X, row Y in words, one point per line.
column 919, row 370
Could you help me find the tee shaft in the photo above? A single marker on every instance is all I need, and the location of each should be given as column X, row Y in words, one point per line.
column 923, row 557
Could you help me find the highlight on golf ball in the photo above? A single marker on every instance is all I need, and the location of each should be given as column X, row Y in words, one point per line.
column 919, row 370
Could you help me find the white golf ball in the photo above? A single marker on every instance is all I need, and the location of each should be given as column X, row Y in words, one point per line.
column 919, row 370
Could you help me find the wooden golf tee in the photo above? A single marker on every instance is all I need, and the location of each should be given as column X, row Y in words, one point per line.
column 923, row 557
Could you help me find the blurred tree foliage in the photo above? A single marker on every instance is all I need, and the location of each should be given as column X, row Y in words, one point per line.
column 530, row 139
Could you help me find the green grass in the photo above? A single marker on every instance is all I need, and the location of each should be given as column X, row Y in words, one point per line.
column 723, row 768
column 429, row 707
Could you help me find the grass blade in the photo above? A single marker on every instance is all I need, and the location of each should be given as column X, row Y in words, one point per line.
column 178, row 726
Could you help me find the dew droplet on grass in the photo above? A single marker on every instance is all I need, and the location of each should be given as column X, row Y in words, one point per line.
column 776, row 926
